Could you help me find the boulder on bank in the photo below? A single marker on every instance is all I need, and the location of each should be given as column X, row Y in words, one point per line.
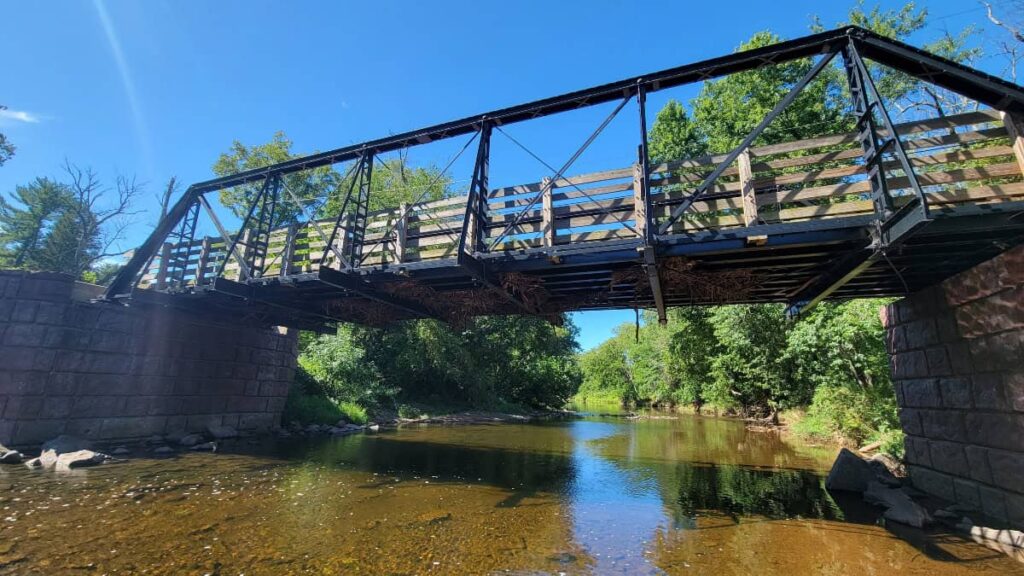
column 79, row 459
column 63, row 444
column 898, row 505
column 887, row 467
column 850, row 473
column 221, row 432
column 190, row 440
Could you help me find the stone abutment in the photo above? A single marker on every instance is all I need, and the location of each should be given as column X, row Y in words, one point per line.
column 102, row 371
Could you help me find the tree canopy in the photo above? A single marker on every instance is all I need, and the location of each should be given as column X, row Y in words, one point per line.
column 393, row 181
column 65, row 226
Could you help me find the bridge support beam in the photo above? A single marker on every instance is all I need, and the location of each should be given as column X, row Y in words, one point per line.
column 955, row 352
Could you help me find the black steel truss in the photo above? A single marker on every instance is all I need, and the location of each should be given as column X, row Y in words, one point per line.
column 474, row 255
column 183, row 235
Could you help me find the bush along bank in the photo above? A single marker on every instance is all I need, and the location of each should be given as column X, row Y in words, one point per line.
column 424, row 368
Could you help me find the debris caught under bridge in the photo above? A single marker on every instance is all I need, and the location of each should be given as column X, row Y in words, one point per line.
column 882, row 211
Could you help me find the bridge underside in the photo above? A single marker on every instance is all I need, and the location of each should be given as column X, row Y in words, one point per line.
column 882, row 209
column 711, row 268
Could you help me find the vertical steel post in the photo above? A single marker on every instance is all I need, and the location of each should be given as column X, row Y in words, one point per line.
column 642, row 210
column 644, row 161
column 474, row 223
column 361, row 206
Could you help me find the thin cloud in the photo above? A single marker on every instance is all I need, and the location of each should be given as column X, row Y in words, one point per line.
column 19, row 116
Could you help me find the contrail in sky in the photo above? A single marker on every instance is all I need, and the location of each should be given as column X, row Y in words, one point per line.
column 138, row 118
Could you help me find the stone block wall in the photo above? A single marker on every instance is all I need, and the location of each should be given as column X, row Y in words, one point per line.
column 957, row 357
column 104, row 371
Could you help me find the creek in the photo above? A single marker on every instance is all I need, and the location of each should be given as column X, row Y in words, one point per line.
column 596, row 495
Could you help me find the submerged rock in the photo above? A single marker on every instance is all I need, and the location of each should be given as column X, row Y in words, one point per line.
column 80, row 459
column 34, row 463
column 205, row 447
column 10, row 456
column 898, row 505
column 163, row 450
column 120, row 451
column 63, row 444
column 850, row 473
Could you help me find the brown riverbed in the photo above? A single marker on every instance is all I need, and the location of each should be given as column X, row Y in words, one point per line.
column 594, row 496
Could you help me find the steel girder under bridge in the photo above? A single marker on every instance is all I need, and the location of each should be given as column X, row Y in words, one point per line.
column 885, row 210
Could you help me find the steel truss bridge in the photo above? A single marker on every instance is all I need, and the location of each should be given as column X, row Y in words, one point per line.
column 883, row 211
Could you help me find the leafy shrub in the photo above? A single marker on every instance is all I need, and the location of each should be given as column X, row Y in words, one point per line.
column 353, row 412
column 337, row 368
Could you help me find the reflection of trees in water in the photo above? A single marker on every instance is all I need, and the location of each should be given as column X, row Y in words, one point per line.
column 717, row 466
column 737, row 491
column 527, row 471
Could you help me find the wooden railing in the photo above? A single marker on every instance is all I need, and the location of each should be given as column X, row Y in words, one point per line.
column 968, row 158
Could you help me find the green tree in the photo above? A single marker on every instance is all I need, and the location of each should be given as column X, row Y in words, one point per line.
column 72, row 245
column 728, row 109
column 6, row 148
column 751, row 372
column 64, row 227
column 910, row 97
column 26, row 218
column 494, row 361
column 309, row 186
column 322, row 190
column 605, row 372
column 673, row 135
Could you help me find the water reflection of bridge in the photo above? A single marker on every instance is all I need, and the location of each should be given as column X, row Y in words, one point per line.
column 836, row 216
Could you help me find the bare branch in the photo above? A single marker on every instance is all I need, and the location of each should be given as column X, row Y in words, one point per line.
column 1017, row 34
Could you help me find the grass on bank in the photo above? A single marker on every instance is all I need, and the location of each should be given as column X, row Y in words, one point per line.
column 309, row 409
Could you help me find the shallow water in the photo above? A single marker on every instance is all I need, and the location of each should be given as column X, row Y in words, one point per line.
column 594, row 496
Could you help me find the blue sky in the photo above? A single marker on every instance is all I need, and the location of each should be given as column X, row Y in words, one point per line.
column 158, row 88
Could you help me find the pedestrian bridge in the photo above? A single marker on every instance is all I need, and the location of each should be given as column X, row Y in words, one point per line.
column 885, row 210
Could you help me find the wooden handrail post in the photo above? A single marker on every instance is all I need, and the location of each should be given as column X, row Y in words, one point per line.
column 547, row 213
column 639, row 202
column 748, row 196
column 345, row 238
column 288, row 252
column 1015, row 128
column 401, row 232
column 204, row 260
column 161, row 274
column 246, row 253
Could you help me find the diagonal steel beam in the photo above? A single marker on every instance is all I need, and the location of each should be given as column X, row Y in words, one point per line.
column 560, row 172
column 233, row 251
column 812, row 292
column 976, row 85
column 678, row 211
